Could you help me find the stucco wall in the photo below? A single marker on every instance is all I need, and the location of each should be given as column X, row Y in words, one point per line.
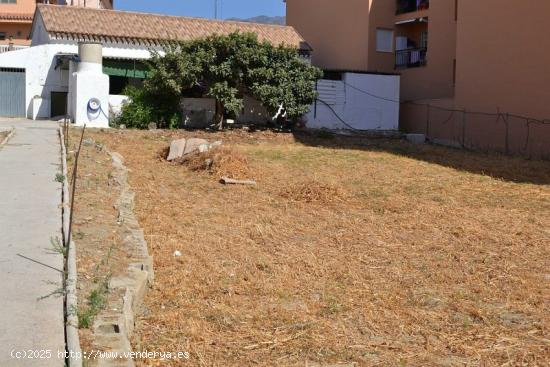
column 18, row 31
column 504, row 62
column 21, row 7
column 343, row 36
column 41, row 76
column 381, row 15
column 502, row 66
column 435, row 80
column 337, row 32
column 92, row 3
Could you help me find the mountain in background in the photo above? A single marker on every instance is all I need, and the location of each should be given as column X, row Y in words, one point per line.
column 263, row 19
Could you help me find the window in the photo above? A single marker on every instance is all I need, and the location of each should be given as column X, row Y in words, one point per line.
column 2, row 36
column 8, row 1
column 384, row 40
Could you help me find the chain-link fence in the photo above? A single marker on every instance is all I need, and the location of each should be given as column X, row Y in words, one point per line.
column 491, row 132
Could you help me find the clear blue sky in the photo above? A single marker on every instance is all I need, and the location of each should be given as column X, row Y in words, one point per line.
column 205, row 8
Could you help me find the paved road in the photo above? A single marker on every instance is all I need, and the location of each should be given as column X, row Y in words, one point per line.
column 30, row 216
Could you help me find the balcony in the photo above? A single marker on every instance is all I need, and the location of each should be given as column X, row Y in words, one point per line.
column 409, row 6
column 410, row 58
column 7, row 48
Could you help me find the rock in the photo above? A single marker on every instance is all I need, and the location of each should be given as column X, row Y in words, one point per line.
column 88, row 142
column 177, row 253
column 121, row 127
column 204, row 148
column 194, row 145
column 152, row 126
column 182, row 147
column 177, row 147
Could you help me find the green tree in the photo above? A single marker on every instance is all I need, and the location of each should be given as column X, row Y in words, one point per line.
column 228, row 67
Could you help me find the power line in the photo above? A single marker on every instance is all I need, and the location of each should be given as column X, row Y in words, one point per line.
column 371, row 94
column 338, row 116
column 529, row 119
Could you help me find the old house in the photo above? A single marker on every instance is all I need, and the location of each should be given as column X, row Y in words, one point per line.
column 41, row 75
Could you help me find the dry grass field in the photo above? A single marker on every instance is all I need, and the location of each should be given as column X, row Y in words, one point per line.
column 348, row 251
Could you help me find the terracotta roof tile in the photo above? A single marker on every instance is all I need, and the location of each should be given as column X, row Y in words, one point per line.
column 16, row 16
column 102, row 25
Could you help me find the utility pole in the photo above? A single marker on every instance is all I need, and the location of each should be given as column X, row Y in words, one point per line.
column 218, row 9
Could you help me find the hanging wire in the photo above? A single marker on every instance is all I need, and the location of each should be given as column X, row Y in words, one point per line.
column 498, row 115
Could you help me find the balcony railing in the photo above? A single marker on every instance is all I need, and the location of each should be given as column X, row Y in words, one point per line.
column 410, row 58
column 7, row 48
column 409, row 6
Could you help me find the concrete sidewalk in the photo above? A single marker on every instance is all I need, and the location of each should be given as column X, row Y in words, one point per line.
column 30, row 216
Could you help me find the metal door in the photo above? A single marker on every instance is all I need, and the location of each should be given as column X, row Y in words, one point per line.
column 12, row 92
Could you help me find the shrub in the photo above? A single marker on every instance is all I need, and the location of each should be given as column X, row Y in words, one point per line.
column 225, row 68
column 146, row 107
column 228, row 67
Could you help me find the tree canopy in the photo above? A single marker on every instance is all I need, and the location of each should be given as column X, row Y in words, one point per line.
column 228, row 67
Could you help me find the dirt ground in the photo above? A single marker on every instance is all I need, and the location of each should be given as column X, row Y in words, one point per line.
column 349, row 250
column 97, row 234
column 3, row 134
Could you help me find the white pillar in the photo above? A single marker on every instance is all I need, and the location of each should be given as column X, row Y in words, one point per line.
column 90, row 88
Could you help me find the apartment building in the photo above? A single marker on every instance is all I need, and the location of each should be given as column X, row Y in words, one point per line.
column 415, row 38
column 476, row 71
column 16, row 18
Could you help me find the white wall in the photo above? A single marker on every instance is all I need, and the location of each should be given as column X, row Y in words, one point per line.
column 116, row 103
column 378, row 109
column 41, row 76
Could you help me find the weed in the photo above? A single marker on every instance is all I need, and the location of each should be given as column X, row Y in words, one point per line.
column 95, row 304
column 59, row 177
column 57, row 246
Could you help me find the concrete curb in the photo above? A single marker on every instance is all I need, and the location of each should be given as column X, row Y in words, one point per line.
column 114, row 327
column 7, row 138
column 71, row 300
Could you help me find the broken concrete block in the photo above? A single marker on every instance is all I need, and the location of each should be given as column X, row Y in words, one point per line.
column 194, row 145
column 182, row 147
column 204, row 148
column 177, row 149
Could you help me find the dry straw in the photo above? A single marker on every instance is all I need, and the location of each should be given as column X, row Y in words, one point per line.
column 429, row 257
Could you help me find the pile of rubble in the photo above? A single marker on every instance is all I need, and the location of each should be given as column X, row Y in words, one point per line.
column 181, row 148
